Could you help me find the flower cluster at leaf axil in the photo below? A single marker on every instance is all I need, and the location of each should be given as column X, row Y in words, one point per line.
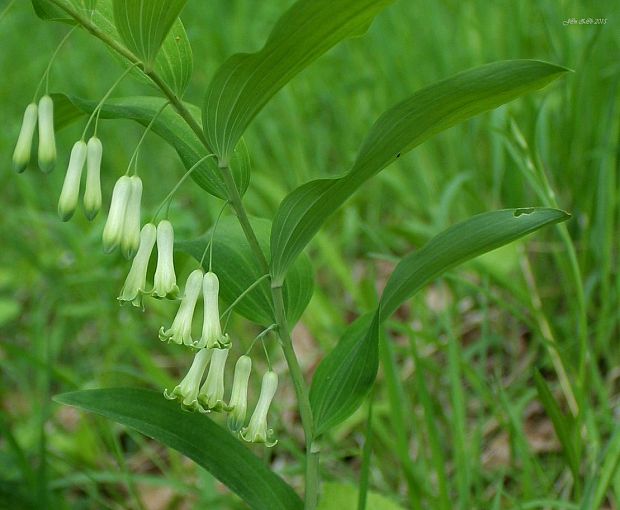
column 124, row 230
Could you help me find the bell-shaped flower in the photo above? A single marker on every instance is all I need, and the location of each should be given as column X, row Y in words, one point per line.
column 47, row 141
column 21, row 155
column 135, row 284
column 238, row 403
column 212, row 337
column 92, row 193
column 187, row 390
column 181, row 330
column 165, row 282
column 257, row 431
column 130, row 238
column 71, row 187
column 211, row 395
column 113, row 230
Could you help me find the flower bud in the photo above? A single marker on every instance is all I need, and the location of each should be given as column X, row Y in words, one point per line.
column 21, row 156
column 165, row 283
column 211, row 395
column 239, row 395
column 71, row 187
column 187, row 390
column 113, row 229
column 181, row 330
column 257, row 431
column 135, row 284
column 131, row 227
column 92, row 193
column 212, row 337
column 47, row 142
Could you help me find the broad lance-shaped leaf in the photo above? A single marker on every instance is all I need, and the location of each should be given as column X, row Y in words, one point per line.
column 246, row 81
column 144, row 24
column 463, row 241
column 236, row 267
column 195, row 436
column 172, row 128
column 396, row 132
column 345, row 376
column 173, row 62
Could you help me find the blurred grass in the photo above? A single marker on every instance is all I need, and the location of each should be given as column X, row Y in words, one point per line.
column 457, row 422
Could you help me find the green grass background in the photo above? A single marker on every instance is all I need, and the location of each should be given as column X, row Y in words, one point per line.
column 457, row 421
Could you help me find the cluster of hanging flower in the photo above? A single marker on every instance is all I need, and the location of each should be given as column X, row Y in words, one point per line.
column 122, row 229
column 44, row 114
column 213, row 349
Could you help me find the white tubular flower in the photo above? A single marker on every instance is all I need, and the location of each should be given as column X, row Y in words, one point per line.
column 212, row 337
column 211, row 395
column 181, row 330
column 47, row 141
column 135, row 284
column 21, row 156
column 165, row 283
column 130, row 239
column 92, row 193
column 257, row 431
column 187, row 390
column 239, row 395
column 71, row 187
column 113, row 229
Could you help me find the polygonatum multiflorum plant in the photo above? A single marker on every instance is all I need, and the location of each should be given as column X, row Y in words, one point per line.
column 254, row 267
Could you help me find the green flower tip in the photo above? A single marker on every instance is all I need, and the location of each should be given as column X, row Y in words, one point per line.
column 165, row 282
column 122, row 227
column 135, row 284
column 92, row 193
column 71, row 187
column 212, row 336
column 47, row 141
column 113, row 230
column 186, row 392
column 130, row 240
column 239, row 395
column 257, row 431
column 23, row 148
column 211, row 395
column 181, row 330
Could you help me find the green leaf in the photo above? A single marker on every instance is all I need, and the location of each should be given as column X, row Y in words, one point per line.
column 459, row 243
column 237, row 269
column 195, row 436
column 49, row 12
column 65, row 112
column 172, row 128
column 396, row 132
column 173, row 62
column 144, row 24
column 246, row 81
column 563, row 425
column 343, row 496
column 345, row 376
